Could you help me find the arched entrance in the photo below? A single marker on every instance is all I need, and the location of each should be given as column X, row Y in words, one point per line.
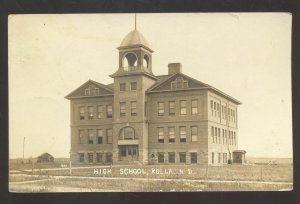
column 128, row 145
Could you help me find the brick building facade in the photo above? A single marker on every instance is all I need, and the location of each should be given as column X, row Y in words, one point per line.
column 149, row 119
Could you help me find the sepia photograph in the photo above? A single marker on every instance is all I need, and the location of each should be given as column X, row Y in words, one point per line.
column 150, row 102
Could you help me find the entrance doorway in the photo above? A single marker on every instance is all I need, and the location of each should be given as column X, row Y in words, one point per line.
column 128, row 152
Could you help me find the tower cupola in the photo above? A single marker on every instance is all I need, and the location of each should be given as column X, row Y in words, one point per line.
column 135, row 55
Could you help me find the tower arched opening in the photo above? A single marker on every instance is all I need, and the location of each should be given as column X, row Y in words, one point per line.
column 146, row 61
column 129, row 61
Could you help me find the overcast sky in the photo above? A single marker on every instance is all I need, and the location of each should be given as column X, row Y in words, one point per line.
column 247, row 56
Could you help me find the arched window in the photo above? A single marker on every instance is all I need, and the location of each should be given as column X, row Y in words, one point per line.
column 127, row 133
column 130, row 60
column 146, row 61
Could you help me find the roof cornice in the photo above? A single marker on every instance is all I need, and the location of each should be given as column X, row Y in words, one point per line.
column 135, row 46
column 126, row 74
column 82, row 97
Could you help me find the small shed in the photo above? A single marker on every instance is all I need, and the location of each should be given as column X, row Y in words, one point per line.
column 238, row 156
column 45, row 158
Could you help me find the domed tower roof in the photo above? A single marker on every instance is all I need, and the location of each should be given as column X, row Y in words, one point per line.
column 134, row 38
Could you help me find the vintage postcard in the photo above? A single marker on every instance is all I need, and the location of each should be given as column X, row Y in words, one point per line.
column 150, row 102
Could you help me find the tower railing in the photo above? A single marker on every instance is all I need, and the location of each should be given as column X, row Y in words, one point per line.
column 130, row 68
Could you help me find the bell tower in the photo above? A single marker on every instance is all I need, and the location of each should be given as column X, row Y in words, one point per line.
column 131, row 81
column 135, row 54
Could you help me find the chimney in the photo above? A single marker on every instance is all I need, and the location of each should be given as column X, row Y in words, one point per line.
column 174, row 68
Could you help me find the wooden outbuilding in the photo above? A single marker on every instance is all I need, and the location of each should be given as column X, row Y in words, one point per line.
column 45, row 158
column 239, row 156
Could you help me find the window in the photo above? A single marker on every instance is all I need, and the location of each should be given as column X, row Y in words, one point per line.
column 229, row 137
column 171, row 108
column 228, row 114
column 194, row 133
column 99, row 157
column 100, row 136
column 146, row 108
column 179, row 83
column 81, row 113
column 194, row 157
column 109, row 112
column 182, row 134
column 171, row 134
column 234, row 138
column 215, row 108
column 223, row 135
column 161, row 158
column 99, row 112
column 122, row 109
column 216, row 134
column 185, row 84
column 194, row 107
column 81, row 157
column 133, row 86
column 90, row 157
column 81, row 137
column 133, row 108
column 212, row 134
column 218, row 109
column 108, row 157
column 123, row 151
column 212, row 157
column 91, row 137
column 182, row 107
column 132, row 151
column 161, row 108
column 224, row 157
column 91, row 112
column 160, row 135
column 173, row 85
column 87, row 92
column 127, row 133
column 122, row 87
column 96, row 91
column 234, row 116
column 219, row 136
column 222, row 111
column 219, row 157
column 182, row 157
column 109, row 136
column 171, row 157
column 211, row 107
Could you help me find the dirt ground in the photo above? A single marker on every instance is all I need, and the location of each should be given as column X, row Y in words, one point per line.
column 166, row 178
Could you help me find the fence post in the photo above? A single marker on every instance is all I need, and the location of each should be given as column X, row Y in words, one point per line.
column 70, row 168
column 206, row 176
column 111, row 171
column 32, row 167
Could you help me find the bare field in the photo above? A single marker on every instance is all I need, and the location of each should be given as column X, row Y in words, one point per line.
column 280, row 173
column 81, row 184
column 254, row 177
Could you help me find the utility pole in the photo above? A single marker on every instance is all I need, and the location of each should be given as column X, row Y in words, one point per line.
column 135, row 21
column 23, row 148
